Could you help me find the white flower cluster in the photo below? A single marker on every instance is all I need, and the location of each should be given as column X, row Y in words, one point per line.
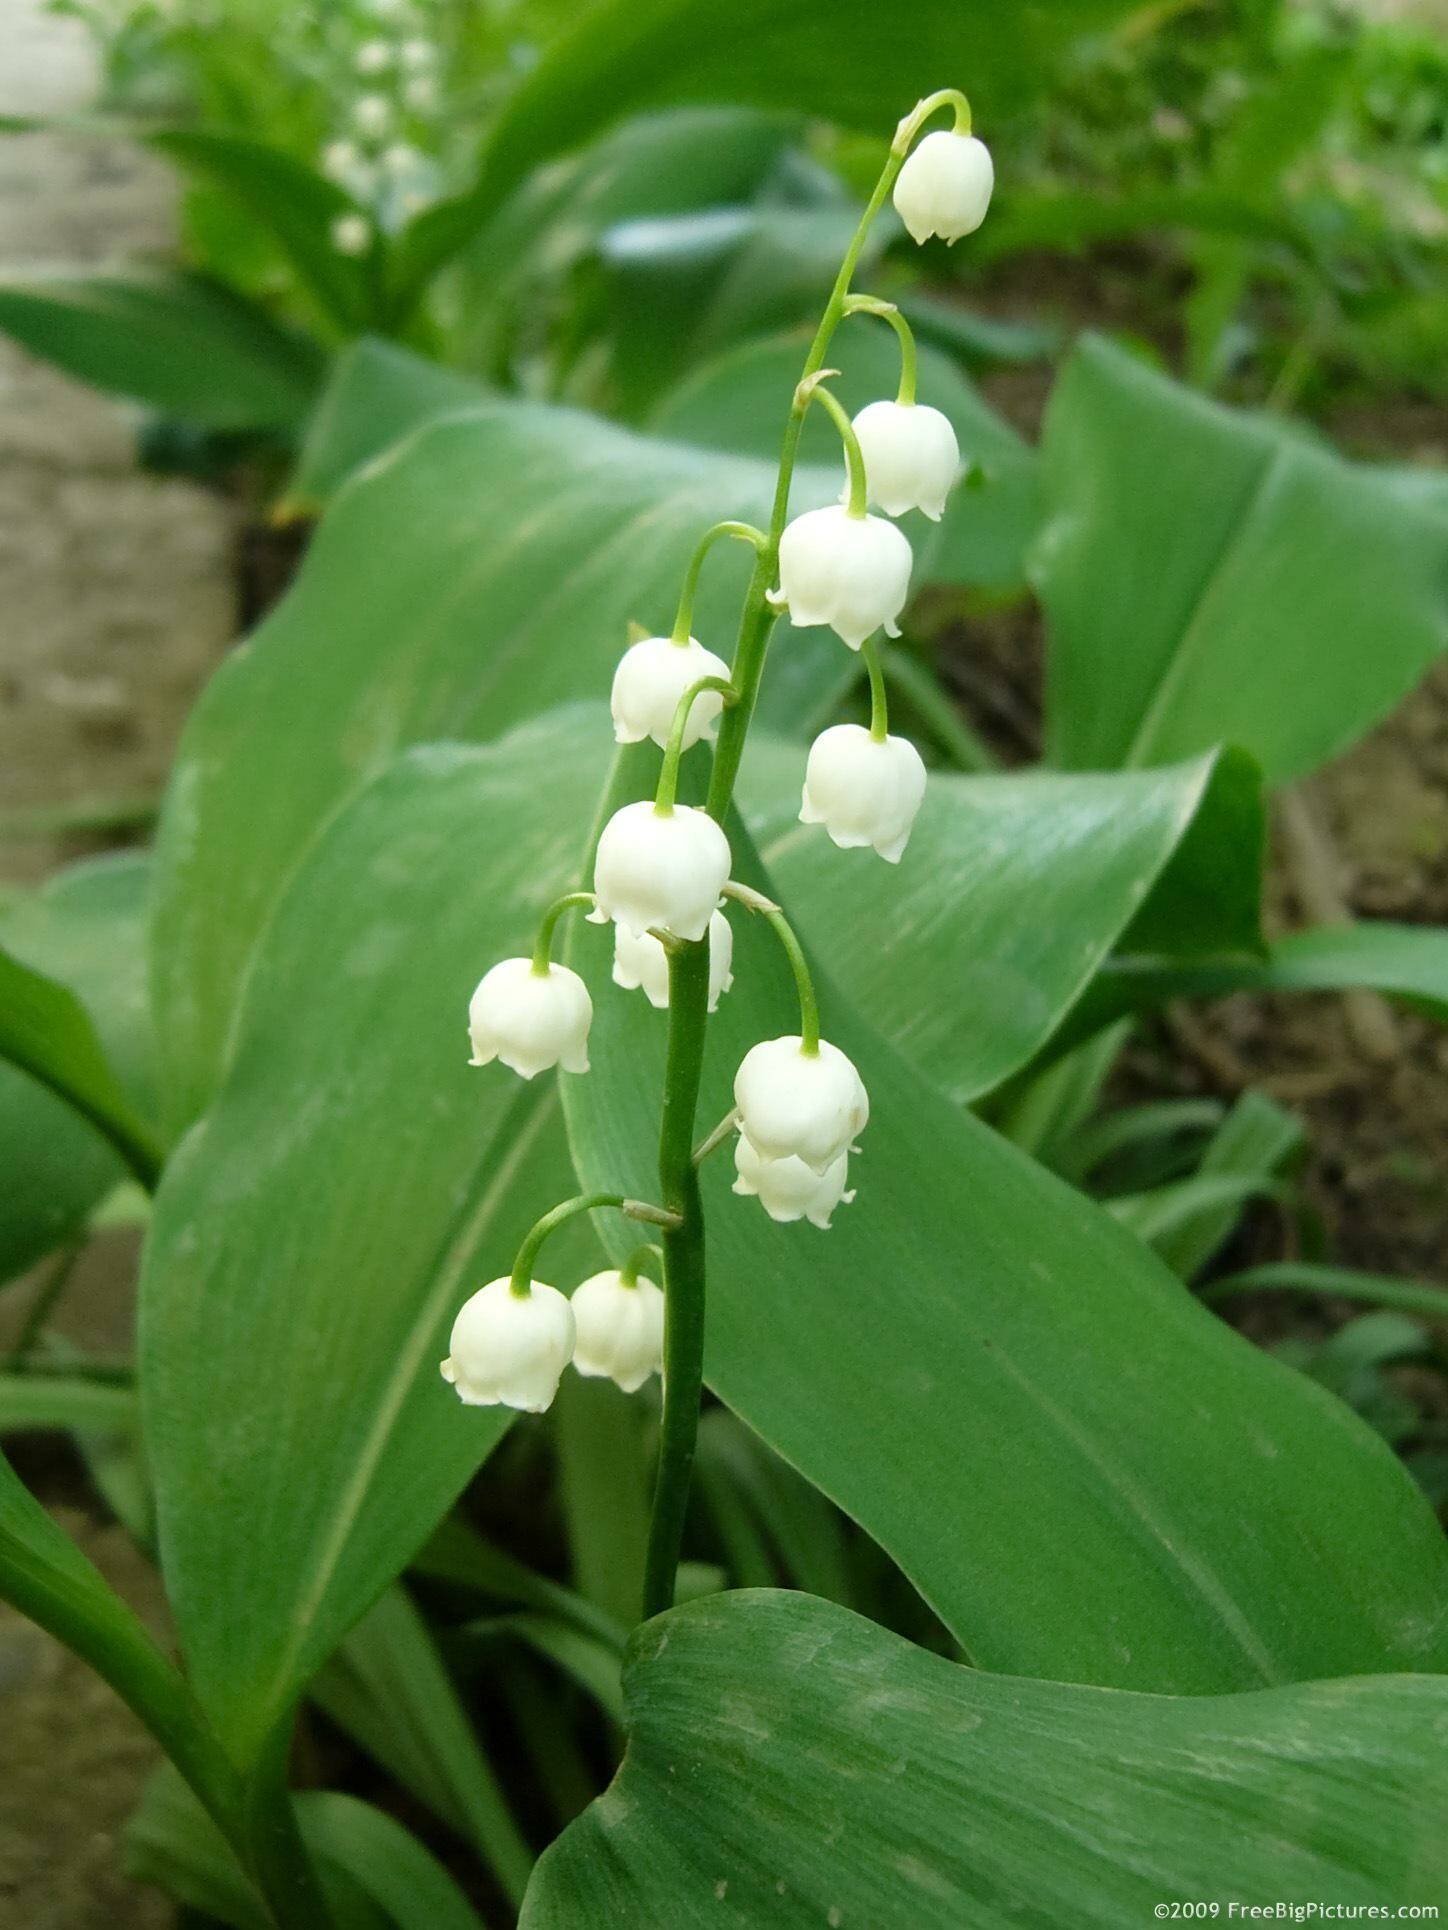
column 661, row 871
column 509, row 1346
column 379, row 158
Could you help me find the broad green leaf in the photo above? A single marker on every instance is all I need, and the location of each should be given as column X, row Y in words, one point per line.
column 990, row 977
column 488, row 567
column 46, row 1032
column 738, row 402
column 1213, row 577
column 1404, row 962
column 937, row 1796
column 292, row 205
column 375, row 394
column 1301, row 1276
column 804, row 57
column 1013, row 1396
column 388, row 1688
column 676, row 289
column 86, row 929
column 517, row 281
column 318, row 1230
column 385, row 1861
column 175, row 342
column 45, row 1576
column 58, row 1401
column 375, row 1871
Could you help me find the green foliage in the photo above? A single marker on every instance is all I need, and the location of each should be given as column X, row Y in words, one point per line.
column 937, row 1795
column 1073, row 1379
column 1213, row 577
column 177, row 343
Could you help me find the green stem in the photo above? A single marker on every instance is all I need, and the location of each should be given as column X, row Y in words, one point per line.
column 274, row 1851
column 809, row 1012
column 909, row 358
column 757, row 618
column 879, row 704
column 922, row 110
column 669, row 770
column 684, row 620
column 629, row 1271
column 683, row 1272
column 689, row 965
column 815, row 391
column 585, row 1203
column 543, row 948
column 41, row 1308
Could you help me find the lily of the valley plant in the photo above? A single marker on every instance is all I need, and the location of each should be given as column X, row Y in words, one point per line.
column 661, row 876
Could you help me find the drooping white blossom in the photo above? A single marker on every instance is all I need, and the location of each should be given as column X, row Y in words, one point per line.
column 945, row 186
column 373, row 57
column 530, row 1020
column 641, row 963
column 420, row 92
column 863, row 790
column 341, row 160
column 795, row 1104
column 787, row 1189
column 912, row 457
column 652, row 676
column 351, row 234
column 372, row 114
column 417, row 54
column 851, row 572
column 665, row 869
column 620, row 1329
column 509, row 1349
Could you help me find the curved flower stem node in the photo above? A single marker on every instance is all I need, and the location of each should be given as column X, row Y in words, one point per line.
column 809, row 1014
column 879, row 704
column 742, row 532
column 543, row 946
column 629, row 1271
column 669, row 770
column 909, row 357
column 714, row 1140
column 812, row 389
column 522, row 1274
column 920, row 113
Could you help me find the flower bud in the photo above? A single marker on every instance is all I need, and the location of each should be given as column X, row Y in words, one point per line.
column 373, row 57
column 351, row 234
column 509, row 1349
column 862, row 790
column 417, row 54
column 787, row 1189
column 642, row 964
column 794, row 1104
column 663, row 869
column 911, row 456
column 372, row 114
column 944, row 188
column 652, row 676
column 530, row 1020
column 620, row 1329
column 420, row 93
column 851, row 572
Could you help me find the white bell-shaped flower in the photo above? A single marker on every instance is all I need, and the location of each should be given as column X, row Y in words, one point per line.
column 530, row 1020
column 660, row 868
column 351, row 234
column 620, row 1329
column 787, row 1189
column 509, row 1349
column 641, row 963
column 851, row 572
column 372, row 115
column 911, row 456
column 652, row 676
column 373, row 57
column 801, row 1105
column 945, row 186
column 863, row 790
